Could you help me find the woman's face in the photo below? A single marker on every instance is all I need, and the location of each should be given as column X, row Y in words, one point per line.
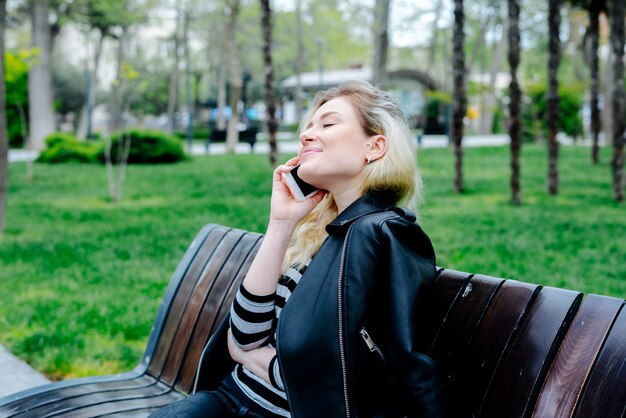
column 334, row 148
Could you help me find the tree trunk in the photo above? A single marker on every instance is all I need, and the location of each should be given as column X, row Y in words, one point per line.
column 490, row 101
column 486, row 15
column 92, row 84
column 270, row 97
column 553, row 99
column 515, row 125
column 381, row 41
column 232, row 135
column 299, row 60
column 221, row 84
column 188, row 90
column 432, row 48
column 172, row 100
column 619, row 110
column 4, row 135
column 607, row 108
column 460, row 100
column 594, row 36
column 117, row 89
column 40, row 96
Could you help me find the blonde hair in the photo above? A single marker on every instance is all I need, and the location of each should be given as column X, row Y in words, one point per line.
column 395, row 172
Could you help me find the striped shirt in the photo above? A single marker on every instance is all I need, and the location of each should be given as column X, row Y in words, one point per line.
column 253, row 323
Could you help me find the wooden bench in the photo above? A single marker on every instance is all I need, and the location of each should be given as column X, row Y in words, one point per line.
column 504, row 348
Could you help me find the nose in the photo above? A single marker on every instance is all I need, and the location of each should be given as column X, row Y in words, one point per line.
column 306, row 136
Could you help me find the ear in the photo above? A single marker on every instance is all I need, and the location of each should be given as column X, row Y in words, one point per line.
column 377, row 146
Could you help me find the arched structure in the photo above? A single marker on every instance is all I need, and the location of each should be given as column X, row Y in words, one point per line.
column 407, row 86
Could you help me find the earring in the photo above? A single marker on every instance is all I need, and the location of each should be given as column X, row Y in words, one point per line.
column 369, row 159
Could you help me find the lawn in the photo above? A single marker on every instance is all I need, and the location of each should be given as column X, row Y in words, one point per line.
column 82, row 277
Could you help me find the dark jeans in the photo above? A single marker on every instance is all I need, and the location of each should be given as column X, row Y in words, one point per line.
column 224, row 402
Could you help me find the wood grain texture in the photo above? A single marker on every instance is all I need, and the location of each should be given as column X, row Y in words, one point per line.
column 576, row 356
column 176, row 307
column 604, row 395
column 457, row 332
column 445, row 291
column 493, row 337
column 185, row 320
column 520, row 373
column 121, row 407
column 58, row 394
column 72, row 405
column 210, row 287
column 215, row 306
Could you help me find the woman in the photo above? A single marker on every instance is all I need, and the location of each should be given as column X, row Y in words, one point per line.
column 325, row 321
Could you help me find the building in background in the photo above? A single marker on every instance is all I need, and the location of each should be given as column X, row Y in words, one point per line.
column 408, row 87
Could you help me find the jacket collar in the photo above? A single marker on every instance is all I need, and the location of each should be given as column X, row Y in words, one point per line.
column 369, row 203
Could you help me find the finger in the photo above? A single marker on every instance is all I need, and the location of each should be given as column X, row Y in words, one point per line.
column 278, row 175
column 319, row 196
column 281, row 170
column 293, row 161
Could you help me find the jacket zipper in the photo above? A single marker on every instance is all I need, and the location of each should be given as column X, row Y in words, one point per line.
column 342, row 349
column 371, row 344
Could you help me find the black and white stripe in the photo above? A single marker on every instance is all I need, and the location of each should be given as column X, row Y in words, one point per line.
column 252, row 319
column 253, row 325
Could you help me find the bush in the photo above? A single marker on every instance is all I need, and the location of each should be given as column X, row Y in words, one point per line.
column 146, row 147
column 196, row 134
column 16, row 87
column 292, row 127
column 438, row 107
column 535, row 109
column 63, row 148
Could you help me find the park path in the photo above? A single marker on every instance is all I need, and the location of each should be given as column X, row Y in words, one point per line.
column 16, row 375
column 291, row 146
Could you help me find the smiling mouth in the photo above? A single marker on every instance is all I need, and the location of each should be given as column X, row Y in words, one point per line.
column 309, row 151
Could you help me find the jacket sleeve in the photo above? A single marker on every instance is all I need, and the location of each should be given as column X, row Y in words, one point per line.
column 410, row 265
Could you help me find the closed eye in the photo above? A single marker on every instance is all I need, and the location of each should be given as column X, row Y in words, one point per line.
column 326, row 125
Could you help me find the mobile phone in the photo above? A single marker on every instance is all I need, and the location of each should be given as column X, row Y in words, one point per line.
column 299, row 188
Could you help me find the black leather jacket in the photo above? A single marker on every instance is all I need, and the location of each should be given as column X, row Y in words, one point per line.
column 346, row 338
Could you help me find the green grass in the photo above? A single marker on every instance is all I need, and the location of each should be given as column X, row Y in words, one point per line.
column 82, row 277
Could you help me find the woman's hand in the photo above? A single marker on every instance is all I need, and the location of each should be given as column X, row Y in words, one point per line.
column 256, row 360
column 284, row 208
column 286, row 212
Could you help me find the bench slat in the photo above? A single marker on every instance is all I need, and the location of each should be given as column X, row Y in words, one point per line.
column 193, row 304
column 519, row 375
column 183, row 292
column 490, row 344
column 216, row 305
column 77, row 404
column 60, row 394
column 457, row 332
column 445, row 291
column 604, row 394
column 576, row 357
column 140, row 407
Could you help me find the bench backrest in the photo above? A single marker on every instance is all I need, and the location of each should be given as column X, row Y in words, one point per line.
column 504, row 348
column 196, row 300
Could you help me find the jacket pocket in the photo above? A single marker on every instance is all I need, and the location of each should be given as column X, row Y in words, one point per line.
column 371, row 345
column 375, row 349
